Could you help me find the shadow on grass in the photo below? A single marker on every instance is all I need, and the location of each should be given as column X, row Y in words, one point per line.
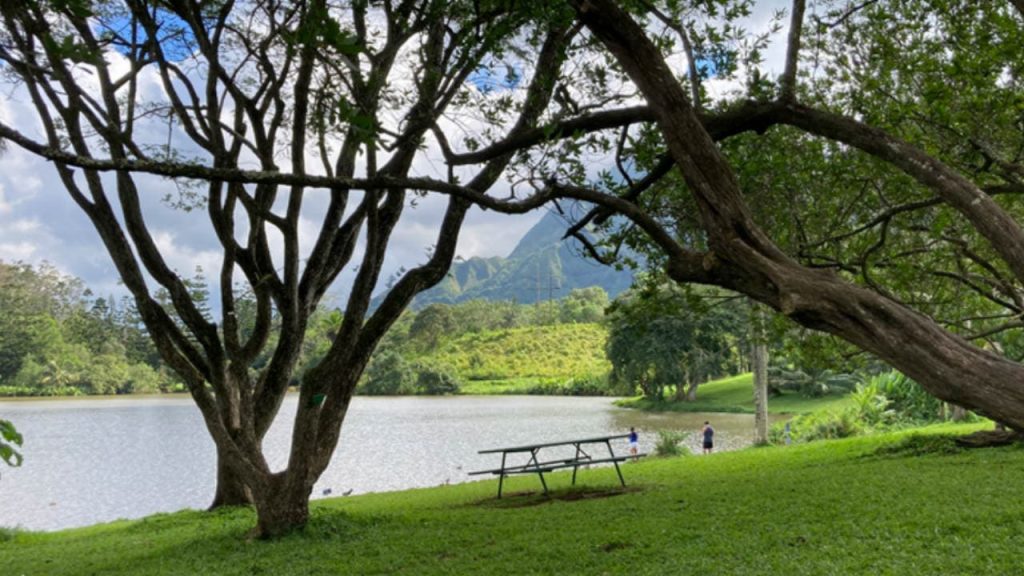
column 918, row 445
column 200, row 542
column 530, row 498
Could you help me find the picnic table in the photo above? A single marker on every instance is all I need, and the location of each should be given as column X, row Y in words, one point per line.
column 535, row 464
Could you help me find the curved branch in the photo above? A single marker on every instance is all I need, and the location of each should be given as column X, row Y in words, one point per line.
column 995, row 224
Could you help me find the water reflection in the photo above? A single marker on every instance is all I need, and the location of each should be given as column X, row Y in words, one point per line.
column 95, row 460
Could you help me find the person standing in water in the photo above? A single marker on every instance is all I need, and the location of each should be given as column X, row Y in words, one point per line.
column 634, row 442
column 709, row 437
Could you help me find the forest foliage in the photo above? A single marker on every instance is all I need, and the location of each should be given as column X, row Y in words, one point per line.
column 58, row 338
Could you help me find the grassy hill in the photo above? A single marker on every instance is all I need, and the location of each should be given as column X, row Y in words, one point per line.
column 894, row 504
column 516, row 357
column 736, row 394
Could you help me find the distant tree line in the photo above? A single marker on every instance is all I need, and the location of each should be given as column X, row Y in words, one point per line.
column 57, row 337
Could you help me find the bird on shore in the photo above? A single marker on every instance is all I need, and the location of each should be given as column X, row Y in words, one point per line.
column 327, row 491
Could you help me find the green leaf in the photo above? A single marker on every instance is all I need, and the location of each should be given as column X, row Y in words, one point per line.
column 10, row 436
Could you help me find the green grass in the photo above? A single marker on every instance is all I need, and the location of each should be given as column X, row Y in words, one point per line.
column 558, row 351
column 736, row 394
column 901, row 504
column 509, row 386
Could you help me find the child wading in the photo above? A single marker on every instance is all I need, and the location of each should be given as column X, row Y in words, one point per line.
column 634, row 442
column 709, row 437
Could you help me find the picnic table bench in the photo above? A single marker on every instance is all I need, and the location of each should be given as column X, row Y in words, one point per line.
column 535, row 466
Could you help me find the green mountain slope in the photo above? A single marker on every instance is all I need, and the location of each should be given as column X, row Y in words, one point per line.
column 541, row 267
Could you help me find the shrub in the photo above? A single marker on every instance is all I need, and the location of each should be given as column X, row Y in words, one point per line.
column 821, row 425
column 871, row 405
column 588, row 385
column 908, row 398
column 905, row 400
column 140, row 379
column 388, row 374
column 436, row 382
column 810, row 383
column 545, row 387
column 670, row 443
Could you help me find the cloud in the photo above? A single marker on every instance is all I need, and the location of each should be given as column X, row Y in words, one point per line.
column 15, row 251
column 5, row 206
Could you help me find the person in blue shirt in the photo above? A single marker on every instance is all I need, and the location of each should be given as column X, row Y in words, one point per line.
column 634, row 442
column 709, row 437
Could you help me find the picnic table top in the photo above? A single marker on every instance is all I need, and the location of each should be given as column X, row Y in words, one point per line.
column 531, row 447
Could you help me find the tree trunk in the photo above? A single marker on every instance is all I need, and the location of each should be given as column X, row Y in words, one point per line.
column 231, row 490
column 691, row 392
column 681, row 388
column 759, row 361
column 959, row 413
column 759, row 358
column 283, row 509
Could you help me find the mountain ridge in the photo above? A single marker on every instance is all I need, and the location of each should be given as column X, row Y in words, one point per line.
column 542, row 266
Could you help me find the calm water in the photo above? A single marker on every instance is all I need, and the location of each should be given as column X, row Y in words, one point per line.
column 96, row 460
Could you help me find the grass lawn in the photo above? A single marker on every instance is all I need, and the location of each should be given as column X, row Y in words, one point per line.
column 736, row 394
column 895, row 504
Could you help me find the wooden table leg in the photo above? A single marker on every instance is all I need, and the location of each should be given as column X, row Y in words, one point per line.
column 501, row 477
column 612, row 454
column 577, row 465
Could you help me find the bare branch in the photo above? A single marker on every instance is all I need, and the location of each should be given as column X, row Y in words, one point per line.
column 849, row 12
column 788, row 80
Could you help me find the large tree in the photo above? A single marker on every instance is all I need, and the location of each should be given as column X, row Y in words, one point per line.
column 736, row 252
column 314, row 95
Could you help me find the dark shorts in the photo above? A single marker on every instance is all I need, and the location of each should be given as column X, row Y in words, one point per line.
column 709, row 445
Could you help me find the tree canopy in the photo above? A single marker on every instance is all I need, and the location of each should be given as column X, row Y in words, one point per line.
column 662, row 337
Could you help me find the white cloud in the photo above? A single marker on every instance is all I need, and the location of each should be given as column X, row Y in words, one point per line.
column 5, row 206
column 12, row 252
column 183, row 258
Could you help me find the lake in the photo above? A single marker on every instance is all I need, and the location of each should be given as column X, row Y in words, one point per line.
column 90, row 460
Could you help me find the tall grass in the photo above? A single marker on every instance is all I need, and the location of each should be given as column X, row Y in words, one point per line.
column 670, row 443
column 883, row 402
